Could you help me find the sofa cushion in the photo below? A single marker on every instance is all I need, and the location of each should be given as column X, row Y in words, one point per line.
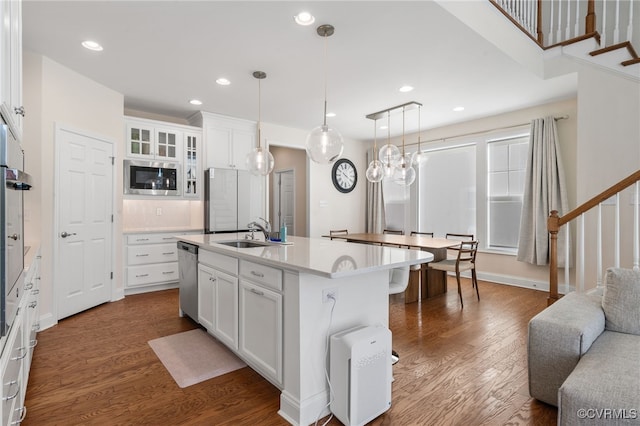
column 604, row 388
column 621, row 300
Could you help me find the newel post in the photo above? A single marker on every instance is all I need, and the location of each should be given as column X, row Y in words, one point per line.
column 590, row 19
column 553, row 226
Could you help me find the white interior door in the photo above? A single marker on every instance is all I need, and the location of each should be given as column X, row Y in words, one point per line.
column 83, row 263
column 284, row 200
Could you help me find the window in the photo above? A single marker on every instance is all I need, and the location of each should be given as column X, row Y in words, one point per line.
column 506, row 168
column 474, row 185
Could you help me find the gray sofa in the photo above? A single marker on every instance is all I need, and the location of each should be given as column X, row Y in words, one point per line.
column 584, row 354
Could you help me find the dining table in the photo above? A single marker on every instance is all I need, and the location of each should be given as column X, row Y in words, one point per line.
column 432, row 282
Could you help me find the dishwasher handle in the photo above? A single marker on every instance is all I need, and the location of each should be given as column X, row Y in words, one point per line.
column 191, row 248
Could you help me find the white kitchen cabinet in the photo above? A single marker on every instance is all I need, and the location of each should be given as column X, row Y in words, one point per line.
column 227, row 140
column 154, row 141
column 192, row 143
column 151, row 261
column 17, row 352
column 260, row 312
column 11, row 65
column 218, row 296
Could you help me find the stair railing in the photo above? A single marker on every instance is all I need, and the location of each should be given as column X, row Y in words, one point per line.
column 555, row 222
column 555, row 22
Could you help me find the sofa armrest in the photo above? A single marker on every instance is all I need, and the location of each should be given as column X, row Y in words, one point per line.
column 558, row 337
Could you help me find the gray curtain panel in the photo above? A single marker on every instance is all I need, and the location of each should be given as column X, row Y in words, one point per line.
column 374, row 220
column 545, row 190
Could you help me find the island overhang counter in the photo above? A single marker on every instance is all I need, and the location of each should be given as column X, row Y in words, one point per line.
column 297, row 277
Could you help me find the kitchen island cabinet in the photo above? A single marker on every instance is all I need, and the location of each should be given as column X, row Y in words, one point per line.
column 284, row 317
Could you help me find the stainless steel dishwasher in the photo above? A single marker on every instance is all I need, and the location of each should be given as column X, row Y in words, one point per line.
column 188, row 265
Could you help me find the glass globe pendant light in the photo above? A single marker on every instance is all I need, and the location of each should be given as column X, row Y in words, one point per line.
column 324, row 144
column 260, row 161
column 375, row 171
column 389, row 153
column 419, row 157
column 404, row 173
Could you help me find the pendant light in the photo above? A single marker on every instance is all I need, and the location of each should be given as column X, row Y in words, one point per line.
column 419, row 157
column 389, row 153
column 324, row 144
column 404, row 173
column 375, row 171
column 260, row 161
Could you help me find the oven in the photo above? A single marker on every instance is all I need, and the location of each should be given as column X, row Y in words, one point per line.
column 13, row 181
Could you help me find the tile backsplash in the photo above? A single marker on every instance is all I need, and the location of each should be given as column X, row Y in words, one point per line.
column 160, row 214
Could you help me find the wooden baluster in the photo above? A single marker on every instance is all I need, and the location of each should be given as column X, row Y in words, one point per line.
column 599, row 248
column 580, row 256
column 552, row 226
column 636, row 228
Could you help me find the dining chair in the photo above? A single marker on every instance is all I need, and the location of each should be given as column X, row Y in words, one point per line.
column 428, row 234
column 461, row 237
column 465, row 261
column 338, row 233
column 398, row 283
column 393, row 231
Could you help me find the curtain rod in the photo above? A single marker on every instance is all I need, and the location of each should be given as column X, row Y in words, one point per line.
column 563, row 117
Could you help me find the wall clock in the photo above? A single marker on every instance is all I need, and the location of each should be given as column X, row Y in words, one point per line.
column 344, row 175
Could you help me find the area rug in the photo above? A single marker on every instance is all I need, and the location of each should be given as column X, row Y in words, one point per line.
column 194, row 356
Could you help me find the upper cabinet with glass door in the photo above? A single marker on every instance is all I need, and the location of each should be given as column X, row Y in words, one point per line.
column 146, row 140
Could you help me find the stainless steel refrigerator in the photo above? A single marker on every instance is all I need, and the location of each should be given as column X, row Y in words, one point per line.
column 232, row 199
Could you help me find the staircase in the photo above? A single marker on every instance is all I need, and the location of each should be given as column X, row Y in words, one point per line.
column 600, row 34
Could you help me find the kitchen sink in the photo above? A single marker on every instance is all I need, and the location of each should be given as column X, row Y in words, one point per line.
column 242, row 243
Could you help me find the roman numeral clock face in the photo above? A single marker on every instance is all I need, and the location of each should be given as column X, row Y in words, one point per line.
column 344, row 175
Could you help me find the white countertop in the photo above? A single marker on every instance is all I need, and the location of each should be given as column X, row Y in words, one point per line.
column 319, row 256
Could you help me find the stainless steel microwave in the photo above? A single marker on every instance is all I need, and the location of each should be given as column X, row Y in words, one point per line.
column 152, row 178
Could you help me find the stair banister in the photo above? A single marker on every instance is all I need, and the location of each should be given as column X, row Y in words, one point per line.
column 555, row 222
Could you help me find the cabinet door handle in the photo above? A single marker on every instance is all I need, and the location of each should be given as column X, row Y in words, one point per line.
column 33, row 304
column 142, row 239
column 258, row 292
column 23, row 414
column 28, row 286
column 213, row 280
column 19, row 110
column 167, row 238
column 257, row 274
column 167, row 272
column 19, row 357
column 142, row 255
column 168, row 253
column 33, row 343
column 11, row 383
column 142, row 275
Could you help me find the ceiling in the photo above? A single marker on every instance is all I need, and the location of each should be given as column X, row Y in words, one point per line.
column 161, row 54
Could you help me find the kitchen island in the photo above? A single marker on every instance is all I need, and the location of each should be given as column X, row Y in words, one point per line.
column 269, row 305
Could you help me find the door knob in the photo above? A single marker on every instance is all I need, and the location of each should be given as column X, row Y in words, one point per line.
column 14, row 237
column 65, row 234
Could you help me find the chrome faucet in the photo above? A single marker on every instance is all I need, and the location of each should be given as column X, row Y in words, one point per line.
column 266, row 229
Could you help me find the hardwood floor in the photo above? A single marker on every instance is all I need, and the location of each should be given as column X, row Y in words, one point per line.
column 458, row 366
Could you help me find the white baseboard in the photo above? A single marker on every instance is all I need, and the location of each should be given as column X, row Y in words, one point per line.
column 512, row 281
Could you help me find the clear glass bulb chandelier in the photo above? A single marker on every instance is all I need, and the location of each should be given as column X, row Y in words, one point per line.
column 419, row 157
column 260, row 161
column 404, row 173
column 324, row 144
column 375, row 171
column 389, row 153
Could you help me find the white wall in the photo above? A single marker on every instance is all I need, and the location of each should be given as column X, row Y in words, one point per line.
column 57, row 94
column 608, row 151
column 328, row 208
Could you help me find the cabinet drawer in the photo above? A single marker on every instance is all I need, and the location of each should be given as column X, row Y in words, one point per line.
column 156, row 253
column 12, row 358
column 265, row 275
column 148, row 274
column 153, row 238
column 219, row 261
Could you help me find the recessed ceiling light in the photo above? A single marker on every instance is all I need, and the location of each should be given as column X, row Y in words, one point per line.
column 223, row 82
column 92, row 45
column 458, row 108
column 331, row 114
column 405, row 89
column 195, row 102
column 304, row 18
